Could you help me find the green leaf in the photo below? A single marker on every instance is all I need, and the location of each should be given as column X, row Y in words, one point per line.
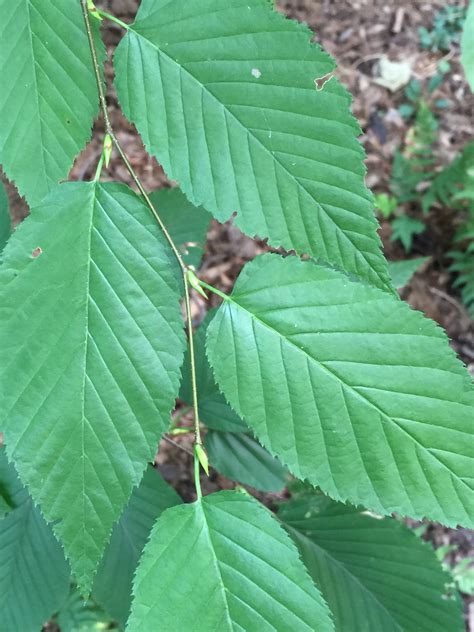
column 214, row 411
column 349, row 387
column 234, row 567
column 454, row 182
column 238, row 456
column 375, row 574
column 5, row 506
column 467, row 46
column 49, row 100
column 91, row 321
column 187, row 224
column 402, row 271
column 82, row 615
column 5, row 219
column 386, row 204
column 434, row 83
column 224, row 96
column 113, row 583
column 34, row 576
column 406, row 110
column 9, row 484
column 404, row 228
column 463, row 266
column 463, row 573
column 414, row 90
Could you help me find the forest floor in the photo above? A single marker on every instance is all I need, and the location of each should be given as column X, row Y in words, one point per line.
column 358, row 34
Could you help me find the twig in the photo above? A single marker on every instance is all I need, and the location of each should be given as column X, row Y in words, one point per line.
column 399, row 17
column 109, row 130
column 177, row 445
column 448, row 299
column 184, row 268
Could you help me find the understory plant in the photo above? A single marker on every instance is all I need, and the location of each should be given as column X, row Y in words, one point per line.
column 311, row 369
column 417, row 181
column 447, row 27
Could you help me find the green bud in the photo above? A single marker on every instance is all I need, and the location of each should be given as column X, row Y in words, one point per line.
column 180, row 431
column 194, row 282
column 93, row 10
column 202, row 457
column 108, row 145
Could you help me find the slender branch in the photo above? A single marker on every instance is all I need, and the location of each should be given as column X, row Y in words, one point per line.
column 179, row 415
column 214, row 290
column 177, row 445
column 109, row 130
column 197, row 480
column 112, row 18
column 197, row 431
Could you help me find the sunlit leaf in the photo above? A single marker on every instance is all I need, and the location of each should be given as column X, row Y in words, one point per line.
column 349, row 387
column 236, row 104
column 91, row 326
column 235, row 567
column 48, row 99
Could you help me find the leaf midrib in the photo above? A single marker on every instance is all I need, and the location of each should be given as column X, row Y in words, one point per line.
column 84, row 360
column 205, row 527
column 360, row 396
column 250, row 133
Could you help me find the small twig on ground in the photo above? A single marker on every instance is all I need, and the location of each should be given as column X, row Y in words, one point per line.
column 448, row 299
column 177, row 445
